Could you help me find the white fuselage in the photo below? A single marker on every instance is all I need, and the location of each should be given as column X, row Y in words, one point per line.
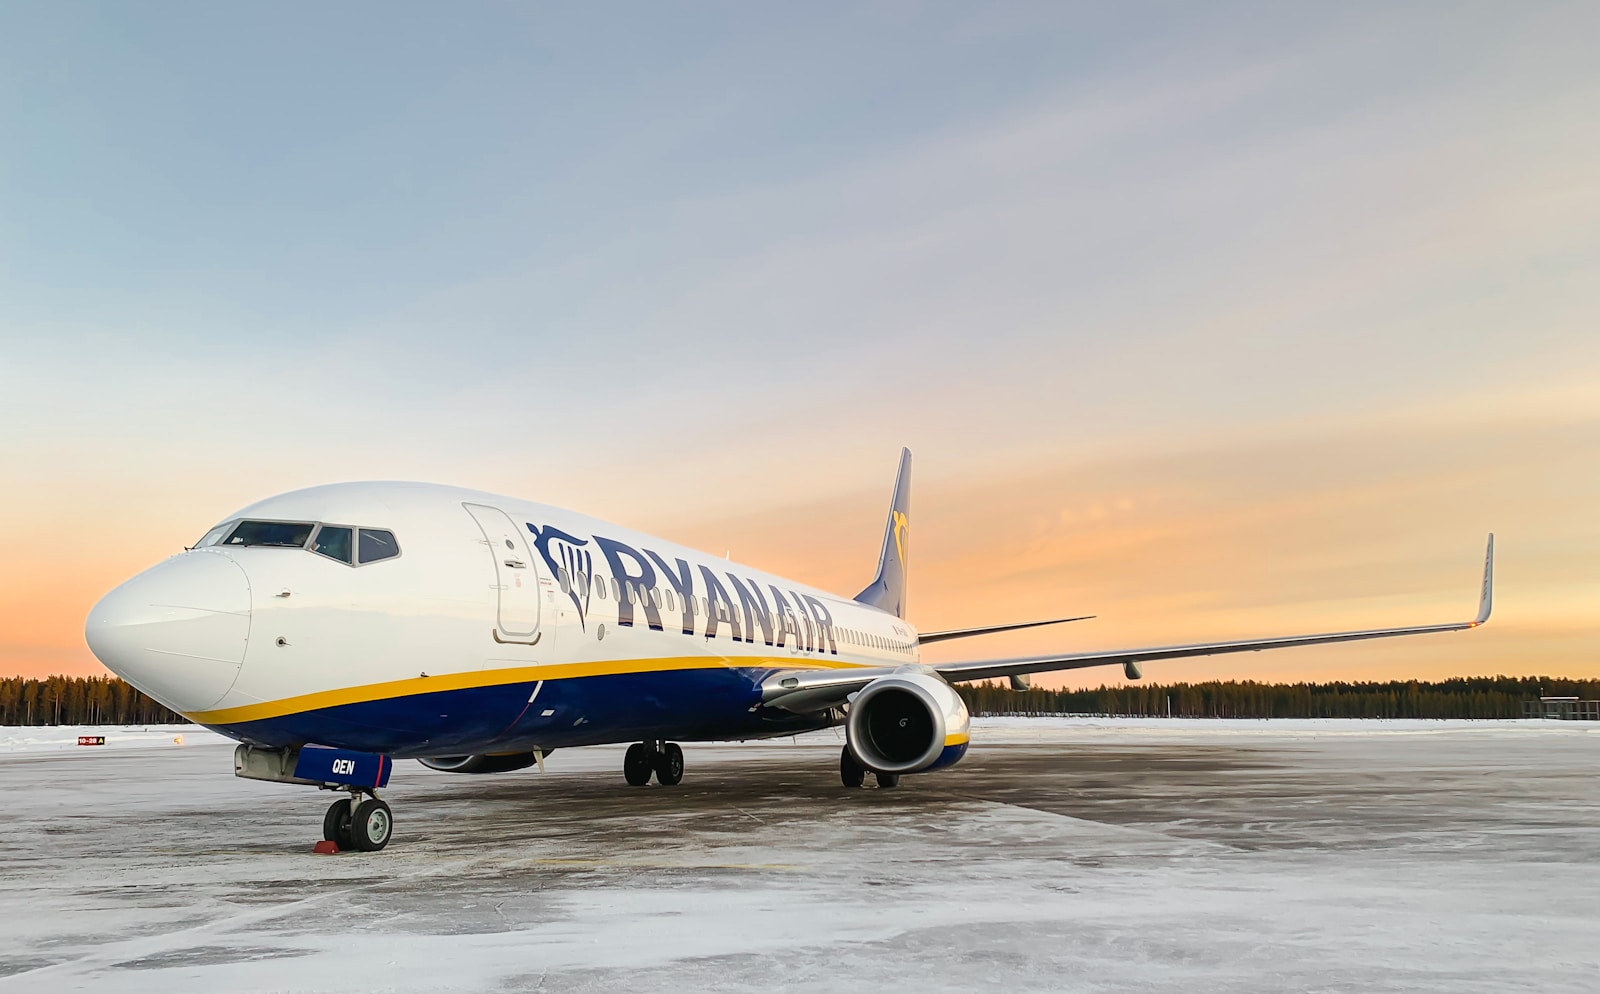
column 498, row 625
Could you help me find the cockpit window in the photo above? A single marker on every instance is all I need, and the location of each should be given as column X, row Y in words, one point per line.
column 215, row 535
column 282, row 534
column 334, row 541
column 376, row 544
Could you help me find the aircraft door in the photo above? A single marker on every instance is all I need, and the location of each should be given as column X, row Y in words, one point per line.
column 516, row 576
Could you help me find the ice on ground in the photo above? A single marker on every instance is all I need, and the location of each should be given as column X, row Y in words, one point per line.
column 1064, row 854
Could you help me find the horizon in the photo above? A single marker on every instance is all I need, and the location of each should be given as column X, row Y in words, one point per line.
column 997, row 683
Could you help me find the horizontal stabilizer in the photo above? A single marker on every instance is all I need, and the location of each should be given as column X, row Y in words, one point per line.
column 961, row 633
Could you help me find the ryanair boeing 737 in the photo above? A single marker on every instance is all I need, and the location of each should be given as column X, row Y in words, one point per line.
column 333, row 630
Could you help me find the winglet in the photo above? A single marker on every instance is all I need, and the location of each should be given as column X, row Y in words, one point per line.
column 1486, row 599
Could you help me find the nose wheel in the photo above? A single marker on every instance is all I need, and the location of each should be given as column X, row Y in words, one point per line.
column 663, row 760
column 361, row 823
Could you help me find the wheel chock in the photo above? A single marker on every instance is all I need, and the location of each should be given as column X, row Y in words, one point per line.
column 326, row 847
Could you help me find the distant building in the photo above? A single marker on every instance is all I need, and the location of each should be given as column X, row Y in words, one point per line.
column 1564, row 708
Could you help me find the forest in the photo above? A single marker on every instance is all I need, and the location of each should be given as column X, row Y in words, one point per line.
column 1459, row 697
column 66, row 700
column 60, row 700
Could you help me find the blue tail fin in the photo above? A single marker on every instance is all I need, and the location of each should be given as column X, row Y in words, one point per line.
column 887, row 592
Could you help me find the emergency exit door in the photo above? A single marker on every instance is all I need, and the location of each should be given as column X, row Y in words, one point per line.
column 516, row 576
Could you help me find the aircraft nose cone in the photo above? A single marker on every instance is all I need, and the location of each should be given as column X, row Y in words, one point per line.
column 178, row 630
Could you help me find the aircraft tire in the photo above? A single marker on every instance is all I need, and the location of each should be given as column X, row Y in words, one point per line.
column 888, row 780
column 336, row 825
column 851, row 773
column 372, row 826
column 669, row 765
column 636, row 765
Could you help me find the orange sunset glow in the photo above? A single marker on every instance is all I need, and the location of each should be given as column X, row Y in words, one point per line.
column 1210, row 335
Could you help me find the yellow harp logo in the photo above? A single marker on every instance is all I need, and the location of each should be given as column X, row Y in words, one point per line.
column 901, row 526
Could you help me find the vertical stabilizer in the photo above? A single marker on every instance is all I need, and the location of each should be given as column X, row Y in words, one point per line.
column 887, row 592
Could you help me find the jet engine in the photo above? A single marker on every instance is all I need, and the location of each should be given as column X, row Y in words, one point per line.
column 503, row 763
column 907, row 723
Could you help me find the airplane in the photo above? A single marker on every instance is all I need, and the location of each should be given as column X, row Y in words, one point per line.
column 336, row 629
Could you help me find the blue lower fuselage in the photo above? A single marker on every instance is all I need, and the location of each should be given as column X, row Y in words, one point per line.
column 682, row 705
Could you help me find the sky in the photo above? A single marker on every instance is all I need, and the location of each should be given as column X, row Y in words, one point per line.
column 1213, row 320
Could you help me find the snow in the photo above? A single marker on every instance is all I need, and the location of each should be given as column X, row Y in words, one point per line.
column 63, row 738
column 1064, row 854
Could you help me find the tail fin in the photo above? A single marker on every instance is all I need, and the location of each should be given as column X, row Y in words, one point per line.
column 887, row 592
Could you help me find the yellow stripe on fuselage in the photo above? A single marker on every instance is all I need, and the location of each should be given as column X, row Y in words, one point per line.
column 496, row 678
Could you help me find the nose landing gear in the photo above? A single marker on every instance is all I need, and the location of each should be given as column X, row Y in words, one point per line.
column 364, row 825
column 662, row 759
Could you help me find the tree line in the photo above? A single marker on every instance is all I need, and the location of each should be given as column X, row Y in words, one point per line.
column 61, row 700
column 1460, row 697
column 80, row 700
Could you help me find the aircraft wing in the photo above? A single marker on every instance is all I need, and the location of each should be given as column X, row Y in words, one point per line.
column 806, row 691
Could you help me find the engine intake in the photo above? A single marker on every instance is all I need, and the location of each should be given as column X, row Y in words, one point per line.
column 907, row 723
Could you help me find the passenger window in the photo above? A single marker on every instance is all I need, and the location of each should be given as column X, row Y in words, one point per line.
column 600, row 587
column 375, row 545
column 616, row 590
column 565, row 580
column 333, row 542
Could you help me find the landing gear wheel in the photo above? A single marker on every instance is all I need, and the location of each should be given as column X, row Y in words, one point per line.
column 371, row 825
column 336, row 825
column 850, row 772
column 637, row 765
column 669, row 765
column 888, row 779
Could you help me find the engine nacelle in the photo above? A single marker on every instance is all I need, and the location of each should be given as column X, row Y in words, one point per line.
column 481, row 764
column 907, row 723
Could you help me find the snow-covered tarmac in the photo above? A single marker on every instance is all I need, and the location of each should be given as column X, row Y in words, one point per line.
column 1061, row 855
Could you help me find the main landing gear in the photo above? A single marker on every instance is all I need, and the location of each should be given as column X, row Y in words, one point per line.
column 853, row 774
column 663, row 759
column 357, row 823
